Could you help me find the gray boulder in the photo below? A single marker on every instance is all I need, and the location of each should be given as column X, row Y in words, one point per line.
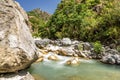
column 86, row 46
column 75, row 42
column 108, row 59
column 17, row 48
column 66, row 41
column 111, row 56
column 41, row 43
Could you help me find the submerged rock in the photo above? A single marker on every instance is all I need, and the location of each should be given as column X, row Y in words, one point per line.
column 53, row 57
column 40, row 59
column 73, row 61
column 17, row 48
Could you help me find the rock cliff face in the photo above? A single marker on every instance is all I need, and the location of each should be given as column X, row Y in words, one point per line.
column 17, row 48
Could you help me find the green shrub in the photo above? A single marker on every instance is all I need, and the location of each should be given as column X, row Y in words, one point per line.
column 38, row 20
column 80, row 47
column 97, row 47
column 118, row 48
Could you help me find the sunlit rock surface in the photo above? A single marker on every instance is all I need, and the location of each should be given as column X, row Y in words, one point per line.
column 17, row 48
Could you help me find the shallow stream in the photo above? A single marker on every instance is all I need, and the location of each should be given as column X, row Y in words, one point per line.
column 86, row 70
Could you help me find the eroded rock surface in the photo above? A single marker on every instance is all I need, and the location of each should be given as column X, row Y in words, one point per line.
column 22, row 75
column 17, row 48
column 111, row 56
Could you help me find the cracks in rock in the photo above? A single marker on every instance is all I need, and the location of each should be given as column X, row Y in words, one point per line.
column 10, row 18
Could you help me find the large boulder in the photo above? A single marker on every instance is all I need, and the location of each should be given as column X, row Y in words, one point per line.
column 17, row 48
column 42, row 43
column 108, row 59
column 111, row 56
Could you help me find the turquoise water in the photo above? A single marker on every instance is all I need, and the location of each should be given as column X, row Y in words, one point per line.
column 86, row 70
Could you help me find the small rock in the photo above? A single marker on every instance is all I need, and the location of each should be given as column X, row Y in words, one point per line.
column 41, row 43
column 66, row 51
column 51, row 47
column 73, row 61
column 61, row 52
column 87, row 46
column 57, row 42
column 112, row 46
column 66, row 41
column 75, row 55
column 53, row 57
column 40, row 59
column 75, row 42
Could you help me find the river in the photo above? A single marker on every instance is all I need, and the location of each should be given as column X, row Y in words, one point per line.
column 86, row 70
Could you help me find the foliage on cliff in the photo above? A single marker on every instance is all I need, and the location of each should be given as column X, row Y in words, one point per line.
column 87, row 20
column 38, row 19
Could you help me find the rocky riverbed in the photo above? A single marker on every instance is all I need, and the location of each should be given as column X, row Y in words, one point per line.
column 74, row 48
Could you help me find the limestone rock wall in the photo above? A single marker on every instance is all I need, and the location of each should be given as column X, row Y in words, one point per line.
column 17, row 48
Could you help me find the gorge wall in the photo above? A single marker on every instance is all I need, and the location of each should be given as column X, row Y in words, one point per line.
column 17, row 48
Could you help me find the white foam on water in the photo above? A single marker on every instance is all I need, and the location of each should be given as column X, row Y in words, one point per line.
column 87, row 61
column 62, row 60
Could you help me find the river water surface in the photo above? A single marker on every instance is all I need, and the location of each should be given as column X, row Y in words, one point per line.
column 86, row 70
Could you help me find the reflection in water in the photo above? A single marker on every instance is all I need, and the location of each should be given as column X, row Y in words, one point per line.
column 86, row 70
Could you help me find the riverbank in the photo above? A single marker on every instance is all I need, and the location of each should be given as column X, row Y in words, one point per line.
column 67, row 59
column 79, row 49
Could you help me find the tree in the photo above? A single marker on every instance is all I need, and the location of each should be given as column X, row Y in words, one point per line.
column 38, row 19
column 87, row 20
